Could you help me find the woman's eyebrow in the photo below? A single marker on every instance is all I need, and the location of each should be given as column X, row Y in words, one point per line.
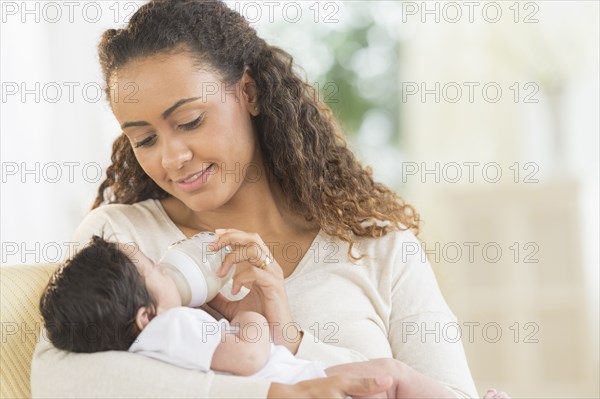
column 179, row 103
column 131, row 124
column 165, row 114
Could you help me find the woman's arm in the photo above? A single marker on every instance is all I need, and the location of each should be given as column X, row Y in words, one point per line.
column 331, row 387
column 408, row 383
column 112, row 374
column 59, row 374
column 422, row 326
column 268, row 297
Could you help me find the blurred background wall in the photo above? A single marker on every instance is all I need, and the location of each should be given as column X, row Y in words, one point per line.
column 484, row 115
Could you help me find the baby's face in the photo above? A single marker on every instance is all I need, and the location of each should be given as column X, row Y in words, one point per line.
column 160, row 285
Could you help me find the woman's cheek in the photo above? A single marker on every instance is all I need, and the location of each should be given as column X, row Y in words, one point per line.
column 151, row 164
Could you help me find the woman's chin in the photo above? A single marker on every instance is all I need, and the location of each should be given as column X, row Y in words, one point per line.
column 188, row 201
column 199, row 204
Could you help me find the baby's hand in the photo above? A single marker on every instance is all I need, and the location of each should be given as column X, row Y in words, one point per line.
column 493, row 394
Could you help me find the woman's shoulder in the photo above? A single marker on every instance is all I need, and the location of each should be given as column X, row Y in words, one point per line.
column 144, row 223
column 142, row 208
column 393, row 247
column 397, row 238
column 116, row 217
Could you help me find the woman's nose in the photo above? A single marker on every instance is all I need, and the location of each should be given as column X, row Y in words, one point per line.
column 175, row 153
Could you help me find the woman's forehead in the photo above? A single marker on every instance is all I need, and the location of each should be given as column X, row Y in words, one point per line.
column 177, row 72
column 154, row 84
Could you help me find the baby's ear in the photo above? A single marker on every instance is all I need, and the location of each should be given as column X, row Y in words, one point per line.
column 143, row 317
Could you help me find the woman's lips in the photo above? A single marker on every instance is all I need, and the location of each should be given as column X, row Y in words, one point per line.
column 196, row 180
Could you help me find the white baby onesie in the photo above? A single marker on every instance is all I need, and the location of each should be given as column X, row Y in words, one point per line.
column 188, row 338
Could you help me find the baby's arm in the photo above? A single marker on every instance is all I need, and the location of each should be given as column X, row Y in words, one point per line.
column 246, row 351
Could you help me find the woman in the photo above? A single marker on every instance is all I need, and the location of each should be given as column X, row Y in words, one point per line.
column 219, row 132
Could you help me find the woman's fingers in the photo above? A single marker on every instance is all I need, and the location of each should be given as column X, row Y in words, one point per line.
column 248, row 277
column 238, row 257
column 228, row 261
column 236, row 237
column 367, row 386
column 255, row 249
column 342, row 387
column 246, row 247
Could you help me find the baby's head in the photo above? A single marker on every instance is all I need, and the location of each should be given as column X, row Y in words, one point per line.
column 103, row 297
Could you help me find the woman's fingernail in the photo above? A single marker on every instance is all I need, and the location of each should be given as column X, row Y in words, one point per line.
column 220, row 231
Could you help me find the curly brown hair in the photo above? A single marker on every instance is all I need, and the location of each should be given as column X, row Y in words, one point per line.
column 296, row 130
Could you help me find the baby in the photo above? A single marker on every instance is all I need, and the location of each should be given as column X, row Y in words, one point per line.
column 106, row 298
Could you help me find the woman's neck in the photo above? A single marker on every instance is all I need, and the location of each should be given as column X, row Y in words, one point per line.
column 262, row 210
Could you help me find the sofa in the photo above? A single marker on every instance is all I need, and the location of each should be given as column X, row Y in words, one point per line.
column 21, row 323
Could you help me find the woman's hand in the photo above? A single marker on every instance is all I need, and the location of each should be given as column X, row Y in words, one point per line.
column 331, row 387
column 258, row 270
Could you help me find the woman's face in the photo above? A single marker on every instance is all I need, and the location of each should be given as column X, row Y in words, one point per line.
column 190, row 132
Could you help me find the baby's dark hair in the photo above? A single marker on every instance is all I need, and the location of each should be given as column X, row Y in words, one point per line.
column 91, row 302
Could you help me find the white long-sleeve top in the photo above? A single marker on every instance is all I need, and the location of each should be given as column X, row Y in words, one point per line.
column 387, row 304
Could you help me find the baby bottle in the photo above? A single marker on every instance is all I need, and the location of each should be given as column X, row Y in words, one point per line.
column 193, row 267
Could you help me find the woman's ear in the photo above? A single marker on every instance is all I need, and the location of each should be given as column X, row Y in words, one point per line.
column 143, row 317
column 250, row 92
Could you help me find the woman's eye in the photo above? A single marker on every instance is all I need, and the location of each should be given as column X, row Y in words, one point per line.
column 147, row 142
column 193, row 124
